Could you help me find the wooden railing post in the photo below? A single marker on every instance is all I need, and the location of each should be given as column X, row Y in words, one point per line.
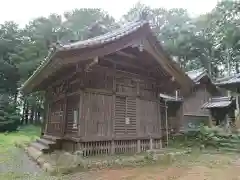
column 112, row 147
column 151, row 143
column 138, row 146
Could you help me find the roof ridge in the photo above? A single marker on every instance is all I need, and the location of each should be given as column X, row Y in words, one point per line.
column 202, row 68
column 237, row 75
column 130, row 26
column 197, row 74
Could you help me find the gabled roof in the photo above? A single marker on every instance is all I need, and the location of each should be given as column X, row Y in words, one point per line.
column 126, row 36
column 218, row 102
column 105, row 38
column 197, row 75
column 230, row 80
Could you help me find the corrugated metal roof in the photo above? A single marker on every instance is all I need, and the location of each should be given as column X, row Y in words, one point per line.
column 169, row 98
column 235, row 79
column 218, row 102
column 197, row 74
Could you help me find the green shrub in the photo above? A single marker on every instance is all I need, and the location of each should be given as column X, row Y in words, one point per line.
column 210, row 137
column 9, row 118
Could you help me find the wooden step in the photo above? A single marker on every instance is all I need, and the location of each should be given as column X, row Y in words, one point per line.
column 41, row 147
column 46, row 142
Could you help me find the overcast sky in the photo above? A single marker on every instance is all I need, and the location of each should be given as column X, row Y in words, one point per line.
column 21, row 11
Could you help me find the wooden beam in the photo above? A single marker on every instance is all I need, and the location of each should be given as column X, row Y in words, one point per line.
column 88, row 66
column 129, row 55
column 125, row 64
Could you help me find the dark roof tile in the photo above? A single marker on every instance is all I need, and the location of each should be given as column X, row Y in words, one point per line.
column 105, row 38
column 196, row 75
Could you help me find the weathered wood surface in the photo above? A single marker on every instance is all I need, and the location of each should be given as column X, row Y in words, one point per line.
column 192, row 104
column 116, row 108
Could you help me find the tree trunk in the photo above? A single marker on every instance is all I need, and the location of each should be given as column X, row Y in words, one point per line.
column 31, row 115
column 26, row 113
column 39, row 117
column 237, row 68
column 15, row 97
column 36, row 119
column 23, row 111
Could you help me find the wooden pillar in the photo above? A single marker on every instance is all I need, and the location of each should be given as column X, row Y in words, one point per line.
column 112, row 131
column 166, row 121
column 112, row 147
column 64, row 119
column 81, row 120
column 138, row 105
column 48, row 112
column 161, row 144
column 45, row 118
column 181, row 117
column 237, row 108
column 160, row 123
column 138, row 146
column 151, row 143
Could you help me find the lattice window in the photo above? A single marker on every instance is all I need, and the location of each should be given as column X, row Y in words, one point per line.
column 75, row 118
column 73, row 113
column 125, row 116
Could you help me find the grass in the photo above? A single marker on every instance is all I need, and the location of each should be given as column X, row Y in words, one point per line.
column 25, row 135
column 211, row 162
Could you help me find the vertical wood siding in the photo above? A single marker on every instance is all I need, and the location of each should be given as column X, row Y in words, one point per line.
column 97, row 114
column 117, row 108
column 149, row 120
column 55, row 122
column 120, row 114
column 192, row 104
column 125, row 107
column 72, row 105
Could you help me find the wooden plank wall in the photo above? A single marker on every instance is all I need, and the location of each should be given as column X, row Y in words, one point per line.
column 125, row 107
column 192, row 105
column 72, row 105
column 115, row 105
column 149, row 117
column 56, row 117
column 97, row 113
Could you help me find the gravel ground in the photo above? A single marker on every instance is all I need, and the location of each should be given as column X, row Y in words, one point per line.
column 18, row 166
column 19, row 162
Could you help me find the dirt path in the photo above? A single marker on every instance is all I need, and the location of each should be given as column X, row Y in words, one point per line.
column 17, row 165
column 205, row 167
column 19, row 162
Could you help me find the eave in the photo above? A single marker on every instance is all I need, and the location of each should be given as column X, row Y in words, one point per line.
column 106, row 44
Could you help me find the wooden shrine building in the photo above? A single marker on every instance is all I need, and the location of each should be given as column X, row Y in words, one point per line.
column 221, row 109
column 102, row 94
column 204, row 89
column 232, row 84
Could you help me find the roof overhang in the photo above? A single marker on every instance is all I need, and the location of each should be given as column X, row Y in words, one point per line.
column 169, row 98
column 231, row 83
column 220, row 102
column 128, row 36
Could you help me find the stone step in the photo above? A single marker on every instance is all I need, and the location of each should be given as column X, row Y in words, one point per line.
column 46, row 142
column 40, row 146
column 51, row 138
